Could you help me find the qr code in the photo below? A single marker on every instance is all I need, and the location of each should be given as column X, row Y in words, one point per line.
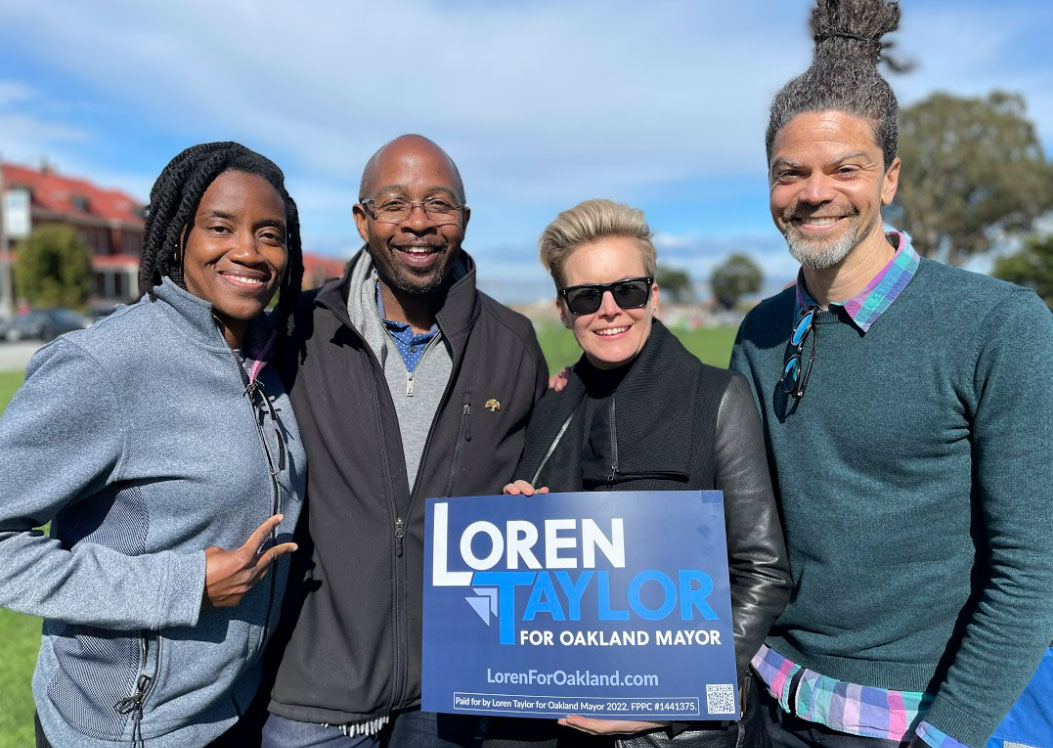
column 720, row 698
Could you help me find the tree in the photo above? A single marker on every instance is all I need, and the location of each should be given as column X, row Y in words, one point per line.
column 53, row 268
column 971, row 166
column 1032, row 267
column 675, row 283
column 734, row 278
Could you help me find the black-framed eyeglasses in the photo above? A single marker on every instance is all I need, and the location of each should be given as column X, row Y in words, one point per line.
column 793, row 380
column 628, row 293
column 441, row 210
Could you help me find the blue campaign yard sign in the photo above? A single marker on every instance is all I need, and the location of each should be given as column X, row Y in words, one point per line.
column 612, row 605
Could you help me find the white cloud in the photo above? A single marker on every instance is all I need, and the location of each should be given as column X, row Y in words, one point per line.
column 699, row 254
column 542, row 104
column 968, row 51
column 696, row 254
column 534, row 100
column 26, row 137
column 13, row 92
column 21, row 133
column 664, row 240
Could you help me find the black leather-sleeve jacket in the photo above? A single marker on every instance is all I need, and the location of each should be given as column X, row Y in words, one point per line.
column 679, row 425
column 757, row 563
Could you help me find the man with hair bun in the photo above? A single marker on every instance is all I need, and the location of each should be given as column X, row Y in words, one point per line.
column 909, row 426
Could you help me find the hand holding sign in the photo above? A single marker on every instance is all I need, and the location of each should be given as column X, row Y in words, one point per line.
column 522, row 488
column 609, row 726
column 229, row 575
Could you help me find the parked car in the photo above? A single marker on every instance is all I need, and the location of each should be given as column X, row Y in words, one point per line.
column 43, row 324
column 93, row 314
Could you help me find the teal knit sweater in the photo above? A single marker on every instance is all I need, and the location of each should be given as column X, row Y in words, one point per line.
column 916, row 489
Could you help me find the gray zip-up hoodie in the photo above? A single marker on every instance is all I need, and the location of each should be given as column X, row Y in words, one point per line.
column 139, row 440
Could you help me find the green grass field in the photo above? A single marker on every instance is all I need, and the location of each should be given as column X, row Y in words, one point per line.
column 19, row 640
column 711, row 344
column 20, row 635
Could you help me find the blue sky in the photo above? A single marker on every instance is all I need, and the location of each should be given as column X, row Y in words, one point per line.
column 542, row 104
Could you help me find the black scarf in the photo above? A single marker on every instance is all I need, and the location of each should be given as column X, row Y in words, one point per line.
column 665, row 407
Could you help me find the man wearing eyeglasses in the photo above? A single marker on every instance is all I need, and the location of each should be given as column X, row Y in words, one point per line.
column 909, row 423
column 407, row 383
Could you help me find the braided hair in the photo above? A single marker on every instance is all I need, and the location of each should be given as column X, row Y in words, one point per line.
column 843, row 75
column 174, row 200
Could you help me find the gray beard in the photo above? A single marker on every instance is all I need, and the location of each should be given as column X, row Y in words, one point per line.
column 820, row 255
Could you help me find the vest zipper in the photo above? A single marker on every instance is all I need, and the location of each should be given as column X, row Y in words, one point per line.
column 614, row 445
column 399, row 623
column 399, row 627
column 400, row 608
column 464, row 434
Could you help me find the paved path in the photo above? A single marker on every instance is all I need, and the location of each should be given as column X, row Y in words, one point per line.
column 15, row 356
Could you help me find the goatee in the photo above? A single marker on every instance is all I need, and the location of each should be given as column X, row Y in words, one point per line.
column 816, row 255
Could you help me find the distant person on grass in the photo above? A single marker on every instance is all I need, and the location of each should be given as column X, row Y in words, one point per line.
column 153, row 442
column 640, row 413
column 909, row 427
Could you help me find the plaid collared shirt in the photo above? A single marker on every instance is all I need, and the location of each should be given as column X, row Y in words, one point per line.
column 877, row 296
column 848, row 707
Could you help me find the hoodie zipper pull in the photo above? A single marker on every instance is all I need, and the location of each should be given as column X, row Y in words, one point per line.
column 400, row 533
column 134, row 705
column 135, row 701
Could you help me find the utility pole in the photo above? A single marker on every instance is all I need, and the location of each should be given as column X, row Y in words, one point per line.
column 7, row 293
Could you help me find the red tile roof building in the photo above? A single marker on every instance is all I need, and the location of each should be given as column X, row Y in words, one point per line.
column 317, row 270
column 109, row 222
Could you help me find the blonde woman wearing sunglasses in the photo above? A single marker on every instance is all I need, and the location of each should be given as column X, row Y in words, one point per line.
column 641, row 413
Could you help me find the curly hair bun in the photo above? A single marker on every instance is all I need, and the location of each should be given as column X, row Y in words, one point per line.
column 849, row 44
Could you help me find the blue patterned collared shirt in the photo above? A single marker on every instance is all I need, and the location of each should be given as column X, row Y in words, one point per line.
column 411, row 345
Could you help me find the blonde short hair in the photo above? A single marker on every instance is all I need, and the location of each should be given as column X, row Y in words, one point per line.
column 588, row 221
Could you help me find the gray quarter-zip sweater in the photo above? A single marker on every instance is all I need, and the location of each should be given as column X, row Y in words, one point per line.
column 139, row 441
column 416, row 394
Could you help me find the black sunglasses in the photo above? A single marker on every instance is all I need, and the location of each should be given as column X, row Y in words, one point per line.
column 792, row 379
column 628, row 293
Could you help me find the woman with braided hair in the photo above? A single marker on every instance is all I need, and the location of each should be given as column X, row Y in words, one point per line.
column 162, row 449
